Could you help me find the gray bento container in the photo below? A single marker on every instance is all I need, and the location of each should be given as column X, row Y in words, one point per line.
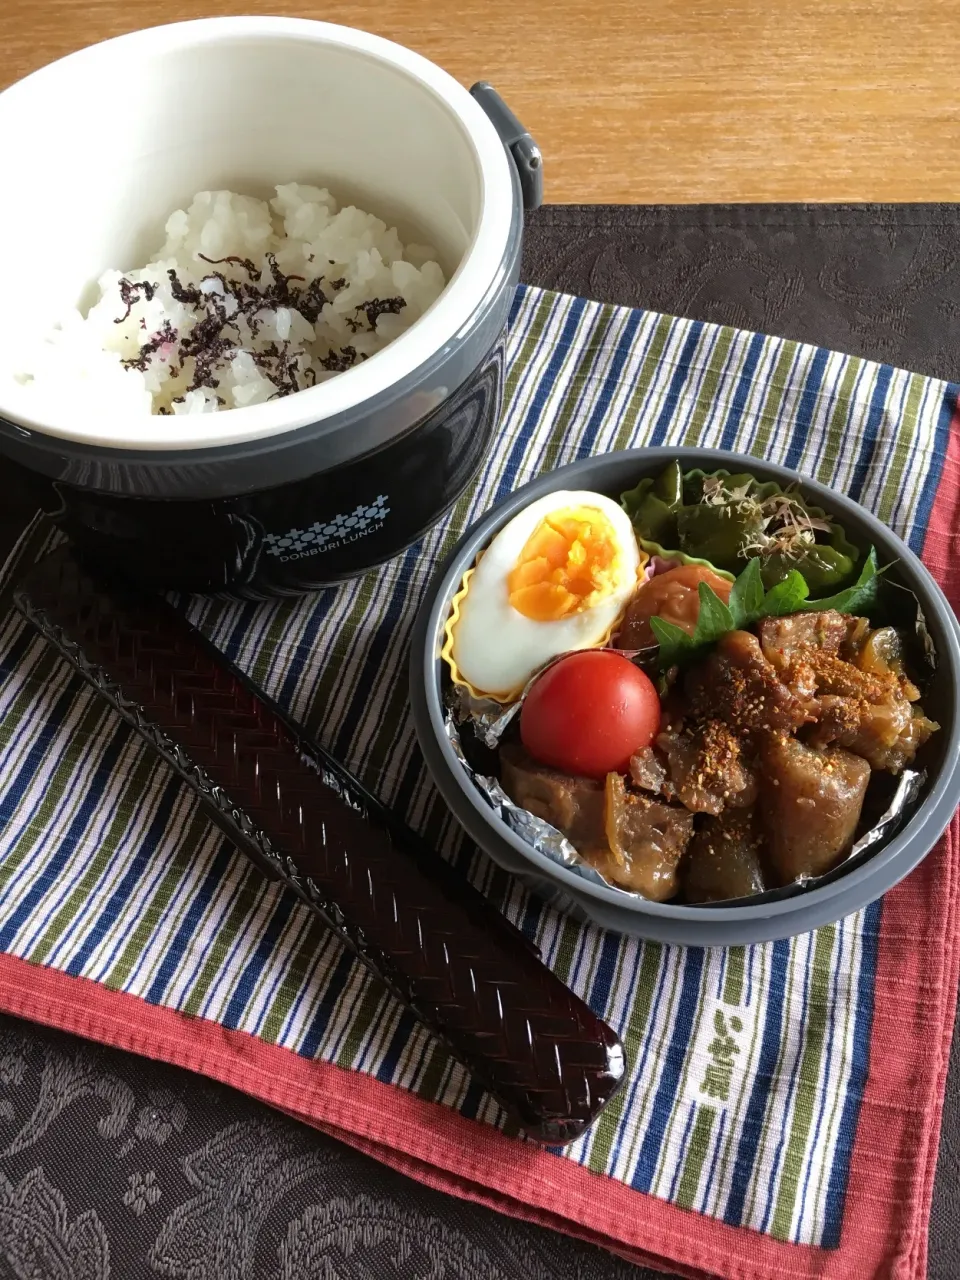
column 670, row 922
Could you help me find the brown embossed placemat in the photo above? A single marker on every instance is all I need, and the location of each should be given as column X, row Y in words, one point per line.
column 163, row 1173
column 879, row 281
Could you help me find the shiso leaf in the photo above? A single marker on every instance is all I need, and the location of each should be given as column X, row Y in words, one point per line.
column 675, row 645
column 749, row 603
column 788, row 596
column 746, row 595
column 715, row 616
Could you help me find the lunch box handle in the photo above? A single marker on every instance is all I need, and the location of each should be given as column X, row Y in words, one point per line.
column 523, row 150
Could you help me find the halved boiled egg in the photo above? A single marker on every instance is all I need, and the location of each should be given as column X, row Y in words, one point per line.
column 557, row 577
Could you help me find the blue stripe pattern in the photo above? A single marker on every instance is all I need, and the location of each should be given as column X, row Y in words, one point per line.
column 728, row 437
column 151, row 839
column 806, row 408
column 763, row 1081
column 198, row 904
column 871, row 429
column 60, row 856
column 837, row 1189
column 680, row 374
column 609, row 386
column 670, row 1076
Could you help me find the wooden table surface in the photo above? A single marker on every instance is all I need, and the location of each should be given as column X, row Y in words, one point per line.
column 650, row 101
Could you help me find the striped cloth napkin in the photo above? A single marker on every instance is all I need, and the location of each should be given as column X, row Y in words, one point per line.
column 782, row 1109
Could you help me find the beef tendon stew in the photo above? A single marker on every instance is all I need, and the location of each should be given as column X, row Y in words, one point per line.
column 707, row 682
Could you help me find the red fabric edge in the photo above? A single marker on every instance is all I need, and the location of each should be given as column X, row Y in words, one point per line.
column 940, row 555
column 432, row 1143
column 887, row 1208
column 941, row 551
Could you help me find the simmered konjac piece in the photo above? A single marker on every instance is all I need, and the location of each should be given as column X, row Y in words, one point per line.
column 724, row 858
column 813, row 804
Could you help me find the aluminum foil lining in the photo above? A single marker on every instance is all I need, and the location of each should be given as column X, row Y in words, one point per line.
column 489, row 722
column 909, row 785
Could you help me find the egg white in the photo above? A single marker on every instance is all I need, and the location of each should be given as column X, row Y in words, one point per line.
column 495, row 647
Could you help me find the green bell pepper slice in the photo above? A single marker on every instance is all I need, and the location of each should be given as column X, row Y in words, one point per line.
column 653, row 505
column 824, row 568
column 717, row 533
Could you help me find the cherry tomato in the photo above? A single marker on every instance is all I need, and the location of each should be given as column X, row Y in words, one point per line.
column 588, row 714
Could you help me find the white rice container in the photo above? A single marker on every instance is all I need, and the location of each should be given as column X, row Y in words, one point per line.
column 99, row 148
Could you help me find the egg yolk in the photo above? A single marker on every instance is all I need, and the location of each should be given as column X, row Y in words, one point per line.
column 569, row 563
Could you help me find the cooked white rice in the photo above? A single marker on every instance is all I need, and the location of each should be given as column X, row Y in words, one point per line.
column 137, row 358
